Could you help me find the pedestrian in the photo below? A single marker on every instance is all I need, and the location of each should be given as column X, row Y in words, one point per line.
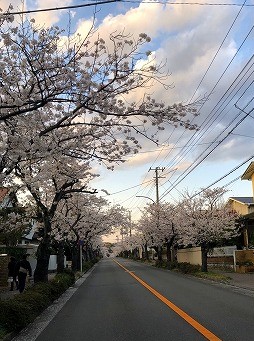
column 12, row 275
column 23, row 268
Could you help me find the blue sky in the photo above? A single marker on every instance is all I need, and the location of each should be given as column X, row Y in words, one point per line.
column 207, row 50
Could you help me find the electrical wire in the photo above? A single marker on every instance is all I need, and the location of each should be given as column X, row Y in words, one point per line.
column 96, row 3
column 213, row 59
column 224, row 176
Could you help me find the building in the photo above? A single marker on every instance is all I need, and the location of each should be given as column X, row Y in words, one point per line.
column 245, row 207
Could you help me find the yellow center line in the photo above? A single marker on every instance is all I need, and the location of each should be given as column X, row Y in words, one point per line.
column 205, row 332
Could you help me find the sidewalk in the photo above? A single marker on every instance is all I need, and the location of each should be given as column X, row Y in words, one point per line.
column 6, row 293
column 245, row 280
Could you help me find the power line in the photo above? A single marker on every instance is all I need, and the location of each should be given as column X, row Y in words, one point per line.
column 226, row 93
column 127, row 189
column 224, row 176
column 178, row 182
column 176, row 158
column 252, row 137
column 189, row 3
column 95, row 3
column 218, row 141
column 59, row 8
column 218, row 50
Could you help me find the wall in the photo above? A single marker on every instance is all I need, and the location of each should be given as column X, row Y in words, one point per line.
column 190, row 255
column 239, row 208
column 244, row 256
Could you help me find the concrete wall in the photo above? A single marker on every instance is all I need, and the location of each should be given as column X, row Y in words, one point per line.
column 242, row 256
column 240, row 208
column 190, row 255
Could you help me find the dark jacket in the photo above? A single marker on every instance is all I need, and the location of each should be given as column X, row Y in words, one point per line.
column 12, row 268
column 24, row 264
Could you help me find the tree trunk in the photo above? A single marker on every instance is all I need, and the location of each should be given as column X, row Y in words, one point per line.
column 60, row 257
column 169, row 257
column 43, row 254
column 159, row 254
column 204, row 252
column 75, row 256
column 146, row 252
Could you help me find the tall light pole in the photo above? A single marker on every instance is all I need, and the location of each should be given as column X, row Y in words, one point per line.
column 143, row 196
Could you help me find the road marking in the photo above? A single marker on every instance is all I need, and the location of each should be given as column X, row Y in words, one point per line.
column 205, row 332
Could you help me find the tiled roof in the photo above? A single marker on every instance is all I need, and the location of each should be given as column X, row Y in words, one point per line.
column 244, row 200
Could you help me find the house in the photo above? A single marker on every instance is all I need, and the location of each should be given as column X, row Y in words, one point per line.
column 245, row 207
column 8, row 198
column 29, row 241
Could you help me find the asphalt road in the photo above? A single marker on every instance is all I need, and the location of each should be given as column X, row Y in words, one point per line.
column 112, row 305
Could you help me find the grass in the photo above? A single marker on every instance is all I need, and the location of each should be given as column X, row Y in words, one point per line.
column 213, row 276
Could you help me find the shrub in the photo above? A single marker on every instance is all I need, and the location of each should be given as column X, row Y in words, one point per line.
column 172, row 265
column 18, row 312
column 187, row 268
column 88, row 265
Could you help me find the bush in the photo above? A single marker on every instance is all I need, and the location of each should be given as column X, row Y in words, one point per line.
column 172, row 265
column 182, row 267
column 88, row 265
column 188, row 268
column 161, row 263
column 18, row 312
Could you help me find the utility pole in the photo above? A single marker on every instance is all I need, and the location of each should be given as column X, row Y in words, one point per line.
column 157, row 177
column 130, row 222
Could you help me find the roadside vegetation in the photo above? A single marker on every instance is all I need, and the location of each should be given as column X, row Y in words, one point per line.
column 190, row 269
column 20, row 310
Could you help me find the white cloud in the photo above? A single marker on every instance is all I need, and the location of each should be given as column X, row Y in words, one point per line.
column 51, row 17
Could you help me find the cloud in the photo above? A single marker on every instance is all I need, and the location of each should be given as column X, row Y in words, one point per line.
column 51, row 17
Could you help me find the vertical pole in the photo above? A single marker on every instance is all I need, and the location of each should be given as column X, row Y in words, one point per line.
column 80, row 255
column 157, row 185
column 130, row 221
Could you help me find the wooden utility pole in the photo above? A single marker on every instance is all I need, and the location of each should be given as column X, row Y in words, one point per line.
column 130, row 222
column 157, row 177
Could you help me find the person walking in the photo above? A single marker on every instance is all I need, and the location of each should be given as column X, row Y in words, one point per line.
column 23, row 268
column 12, row 275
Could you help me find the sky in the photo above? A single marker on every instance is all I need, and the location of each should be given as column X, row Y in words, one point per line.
column 207, row 47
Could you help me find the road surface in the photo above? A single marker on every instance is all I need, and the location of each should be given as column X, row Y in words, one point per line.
column 124, row 300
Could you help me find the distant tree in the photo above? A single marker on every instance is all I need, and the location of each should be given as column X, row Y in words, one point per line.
column 205, row 220
column 157, row 228
column 84, row 218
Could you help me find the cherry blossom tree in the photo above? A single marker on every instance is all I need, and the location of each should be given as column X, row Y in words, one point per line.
column 205, row 220
column 14, row 223
column 157, row 228
column 83, row 85
column 85, row 218
column 65, row 104
column 48, row 181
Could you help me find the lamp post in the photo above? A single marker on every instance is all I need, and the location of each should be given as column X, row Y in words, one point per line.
column 143, row 196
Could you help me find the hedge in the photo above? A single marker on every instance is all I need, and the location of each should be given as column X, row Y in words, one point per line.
column 16, row 313
column 184, row 267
